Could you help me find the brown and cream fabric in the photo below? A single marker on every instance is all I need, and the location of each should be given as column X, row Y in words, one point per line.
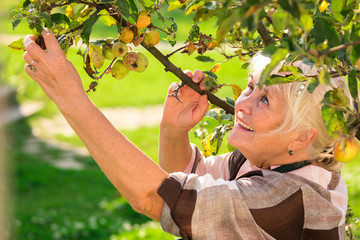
column 308, row 203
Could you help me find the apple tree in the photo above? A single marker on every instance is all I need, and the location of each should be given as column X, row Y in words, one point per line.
column 321, row 33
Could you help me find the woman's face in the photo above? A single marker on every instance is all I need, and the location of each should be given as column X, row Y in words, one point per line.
column 257, row 112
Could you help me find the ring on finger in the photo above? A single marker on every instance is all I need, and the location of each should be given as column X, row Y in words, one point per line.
column 32, row 68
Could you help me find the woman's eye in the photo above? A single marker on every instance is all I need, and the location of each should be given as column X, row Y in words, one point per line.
column 250, row 87
column 265, row 100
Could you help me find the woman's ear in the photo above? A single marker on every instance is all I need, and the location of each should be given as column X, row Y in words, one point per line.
column 305, row 138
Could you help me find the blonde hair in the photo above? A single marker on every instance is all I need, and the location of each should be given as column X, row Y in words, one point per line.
column 304, row 109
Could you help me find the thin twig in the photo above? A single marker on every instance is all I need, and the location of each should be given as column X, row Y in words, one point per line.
column 338, row 48
column 108, row 67
column 170, row 54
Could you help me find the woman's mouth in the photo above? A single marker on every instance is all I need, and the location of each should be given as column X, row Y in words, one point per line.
column 247, row 127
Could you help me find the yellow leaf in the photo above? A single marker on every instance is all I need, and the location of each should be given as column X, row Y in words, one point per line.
column 69, row 12
column 215, row 68
column 106, row 18
column 195, row 7
column 18, row 44
column 207, row 146
column 236, row 91
column 323, row 6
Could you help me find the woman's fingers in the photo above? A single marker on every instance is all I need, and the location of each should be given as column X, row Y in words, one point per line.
column 188, row 73
column 51, row 42
column 32, row 48
column 198, row 75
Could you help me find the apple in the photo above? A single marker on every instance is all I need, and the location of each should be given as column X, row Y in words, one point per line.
column 126, row 35
column 152, row 38
column 119, row 49
column 107, row 52
column 136, row 61
column 144, row 19
column 346, row 148
column 119, row 70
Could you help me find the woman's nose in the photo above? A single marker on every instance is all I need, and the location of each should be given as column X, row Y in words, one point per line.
column 244, row 104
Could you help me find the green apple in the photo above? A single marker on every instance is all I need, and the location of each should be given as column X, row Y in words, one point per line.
column 136, row 61
column 119, row 70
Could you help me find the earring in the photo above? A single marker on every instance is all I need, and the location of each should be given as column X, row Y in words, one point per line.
column 291, row 153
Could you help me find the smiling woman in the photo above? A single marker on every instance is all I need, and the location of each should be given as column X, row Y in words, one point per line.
column 275, row 186
column 276, row 182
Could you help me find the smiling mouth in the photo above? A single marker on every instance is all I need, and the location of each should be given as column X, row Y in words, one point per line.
column 245, row 126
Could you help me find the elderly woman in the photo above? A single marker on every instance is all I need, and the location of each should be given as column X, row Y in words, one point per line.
column 279, row 184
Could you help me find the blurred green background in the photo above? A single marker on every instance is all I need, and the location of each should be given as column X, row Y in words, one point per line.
column 52, row 202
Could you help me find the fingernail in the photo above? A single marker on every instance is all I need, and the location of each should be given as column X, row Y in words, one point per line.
column 203, row 85
column 174, row 87
column 27, row 41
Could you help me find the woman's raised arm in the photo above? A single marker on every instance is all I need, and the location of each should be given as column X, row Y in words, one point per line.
column 133, row 173
column 178, row 118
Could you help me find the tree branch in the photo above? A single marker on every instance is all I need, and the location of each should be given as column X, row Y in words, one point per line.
column 265, row 36
column 169, row 66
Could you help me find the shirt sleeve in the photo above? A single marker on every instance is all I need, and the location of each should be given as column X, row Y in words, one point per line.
column 217, row 166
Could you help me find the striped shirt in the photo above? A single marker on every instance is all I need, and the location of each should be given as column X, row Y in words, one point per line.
column 307, row 203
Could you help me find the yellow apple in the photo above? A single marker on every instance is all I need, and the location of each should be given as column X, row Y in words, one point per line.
column 346, row 148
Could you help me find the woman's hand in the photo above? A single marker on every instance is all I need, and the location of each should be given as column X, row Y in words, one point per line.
column 184, row 115
column 178, row 118
column 51, row 70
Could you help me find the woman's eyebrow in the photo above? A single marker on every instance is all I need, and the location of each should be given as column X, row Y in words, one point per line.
column 269, row 92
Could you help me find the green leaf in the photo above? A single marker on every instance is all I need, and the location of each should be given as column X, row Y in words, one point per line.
column 148, row 4
column 212, row 114
column 306, row 20
column 354, row 54
column 202, row 58
column 290, row 6
column 323, row 30
column 312, row 85
column 336, row 98
column 276, row 55
column 85, row 34
column 16, row 23
column 124, row 7
column 59, row 18
column 210, row 83
column 134, row 12
column 336, row 7
column 324, row 77
column 194, row 33
column 353, row 85
column 18, row 44
column 47, row 19
column 334, row 121
column 230, row 101
column 227, row 22
column 280, row 19
column 106, row 18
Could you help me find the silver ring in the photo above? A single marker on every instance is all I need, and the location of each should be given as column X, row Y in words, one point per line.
column 31, row 66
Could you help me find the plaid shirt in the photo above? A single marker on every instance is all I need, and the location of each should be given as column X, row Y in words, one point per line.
column 307, row 203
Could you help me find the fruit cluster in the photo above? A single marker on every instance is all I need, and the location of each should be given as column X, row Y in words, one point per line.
column 110, row 49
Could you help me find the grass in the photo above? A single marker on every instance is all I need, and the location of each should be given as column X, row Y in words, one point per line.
column 53, row 203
